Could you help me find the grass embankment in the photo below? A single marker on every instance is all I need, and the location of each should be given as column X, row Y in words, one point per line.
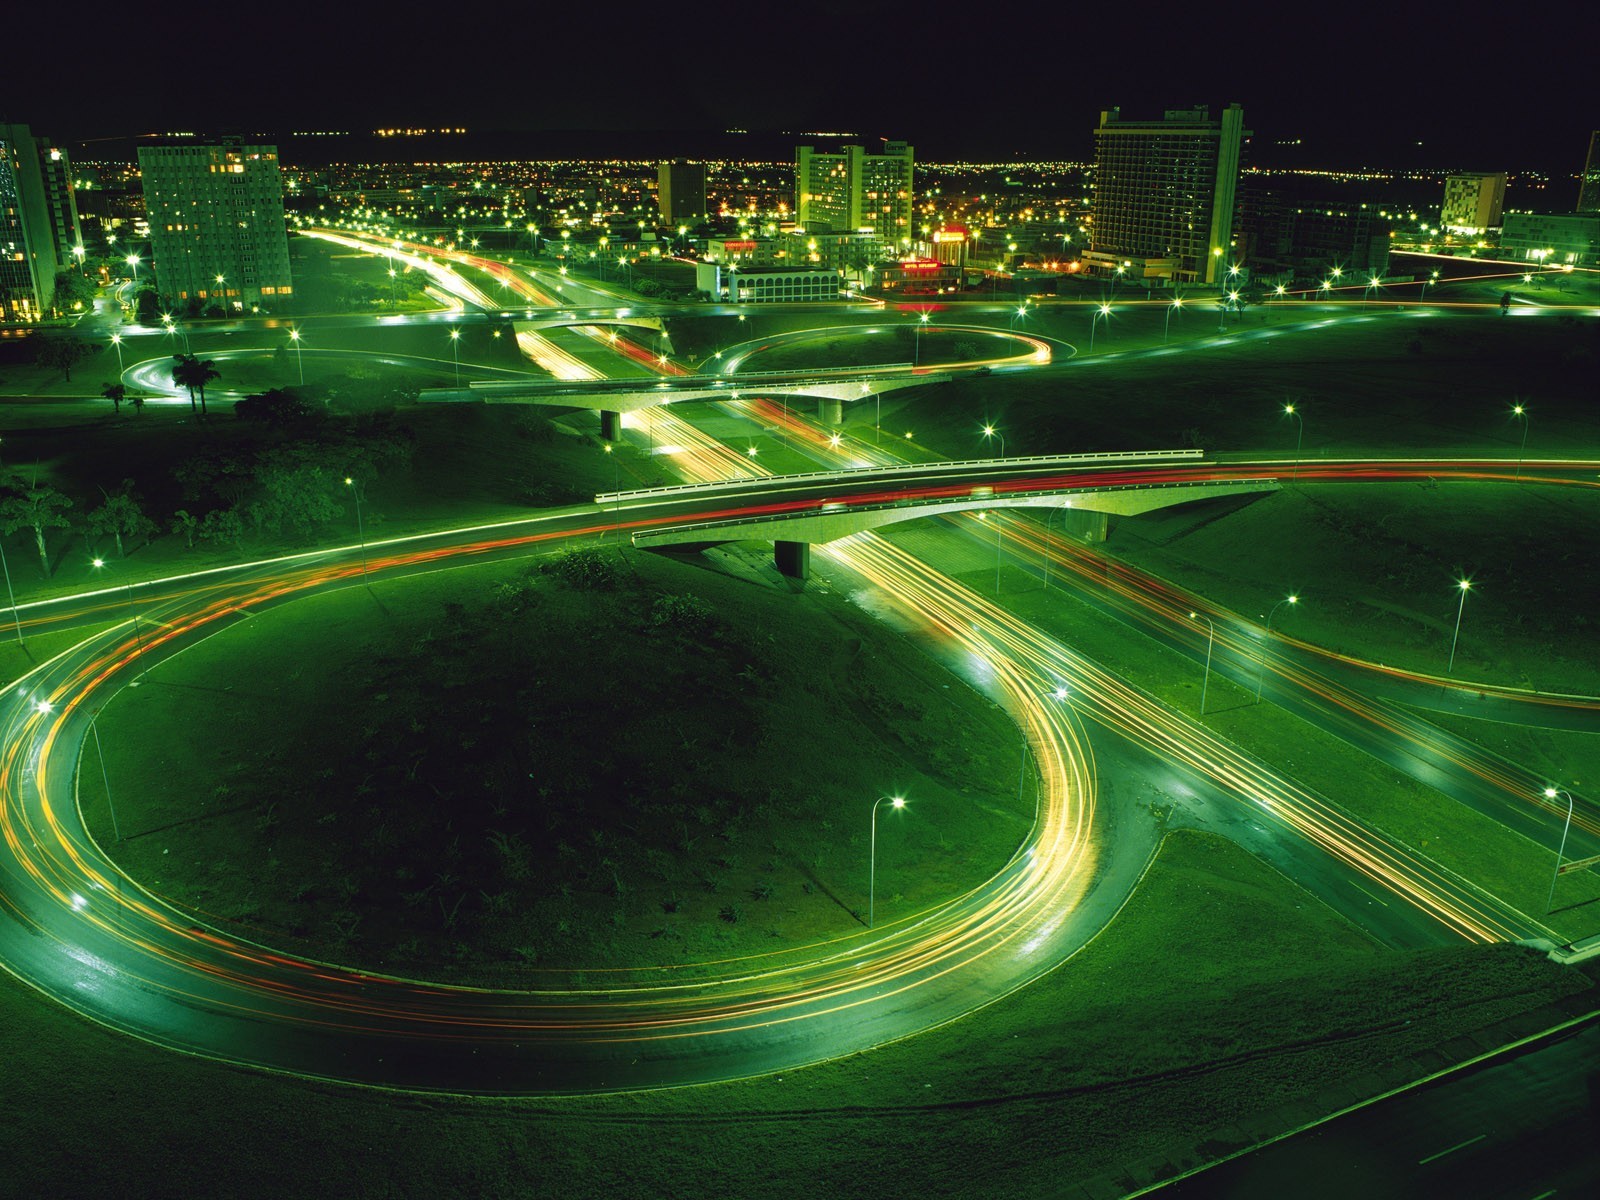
column 626, row 761
column 1451, row 834
column 1375, row 567
column 331, row 278
column 1221, row 991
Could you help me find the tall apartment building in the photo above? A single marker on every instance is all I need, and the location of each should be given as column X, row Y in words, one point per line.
column 1589, row 188
column 1472, row 203
column 216, row 223
column 38, row 223
column 681, row 192
column 852, row 191
column 1165, row 194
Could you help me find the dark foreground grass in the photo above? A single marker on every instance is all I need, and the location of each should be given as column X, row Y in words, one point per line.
column 486, row 772
column 1220, row 994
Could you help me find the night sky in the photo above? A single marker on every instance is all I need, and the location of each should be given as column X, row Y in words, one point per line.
column 1361, row 84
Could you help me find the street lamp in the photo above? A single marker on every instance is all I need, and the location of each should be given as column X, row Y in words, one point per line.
column 916, row 353
column 116, row 340
column 1261, row 671
column 989, row 431
column 1521, row 410
column 138, row 635
column 299, row 357
column 1211, row 640
column 1465, row 586
column 1299, row 436
column 133, row 261
column 1050, row 516
column 1166, row 329
column 1551, row 793
column 455, row 350
column 1102, row 310
column 16, row 617
column 872, row 860
column 361, row 533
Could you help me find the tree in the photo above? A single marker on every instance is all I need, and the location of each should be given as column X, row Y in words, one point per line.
column 74, row 292
column 115, row 393
column 192, row 373
column 121, row 516
column 278, row 408
column 223, row 525
column 63, row 352
column 137, row 401
column 186, row 523
column 36, row 508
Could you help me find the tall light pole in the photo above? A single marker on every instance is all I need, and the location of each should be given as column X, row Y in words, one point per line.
column 1166, row 329
column 1551, row 793
column 989, row 431
column 361, row 532
column 294, row 337
column 1101, row 310
column 916, row 353
column 1521, row 410
column 105, row 778
column 138, row 635
column 455, row 349
column 1261, row 671
column 16, row 617
column 1299, row 437
column 872, row 859
column 116, row 342
column 1050, row 516
column 133, row 261
column 1211, row 639
column 1465, row 586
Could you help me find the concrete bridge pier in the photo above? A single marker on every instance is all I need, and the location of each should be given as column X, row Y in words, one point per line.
column 792, row 559
column 610, row 425
column 830, row 412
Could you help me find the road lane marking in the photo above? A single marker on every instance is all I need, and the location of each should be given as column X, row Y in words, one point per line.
column 1421, row 1162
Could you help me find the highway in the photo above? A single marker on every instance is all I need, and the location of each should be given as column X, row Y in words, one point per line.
column 73, row 926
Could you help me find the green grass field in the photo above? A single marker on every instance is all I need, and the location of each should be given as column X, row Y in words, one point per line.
column 1141, row 1046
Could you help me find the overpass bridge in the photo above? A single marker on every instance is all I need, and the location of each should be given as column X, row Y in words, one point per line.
column 831, row 387
column 1088, row 489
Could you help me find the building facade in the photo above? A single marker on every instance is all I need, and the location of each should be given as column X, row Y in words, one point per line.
column 1165, row 194
column 1552, row 239
column 1473, row 203
column 766, row 285
column 1589, row 185
column 852, row 191
column 681, row 192
column 216, row 224
column 38, row 224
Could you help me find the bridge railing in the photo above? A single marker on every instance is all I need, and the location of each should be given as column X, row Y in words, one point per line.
column 749, row 379
column 845, row 510
column 853, row 474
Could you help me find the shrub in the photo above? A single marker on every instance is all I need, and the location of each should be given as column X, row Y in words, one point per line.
column 681, row 614
column 586, row 570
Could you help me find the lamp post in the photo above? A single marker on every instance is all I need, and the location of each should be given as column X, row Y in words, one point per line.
column 1102, row 310
column 94, row 727
column 138, row 635
column 1211, row 638
column 455, row 350
column 1261, row 671
column 872, row 858
column 1299, row 437
column 299, row 358
column 1521, row 410
column 1166, row 328
column 1551, row 793
column 361, row 533
column 1465, row 586
column 116, row 342
column 133, row 261
column 16, row 618
column 989, row 431
column 1050, row 516
column 916, row 353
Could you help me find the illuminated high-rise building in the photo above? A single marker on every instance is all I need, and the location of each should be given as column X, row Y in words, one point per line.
column 38, row 223
column 852, row 191
column 681, row 192
column 1472, row 203
column 1589, row 188
column 216, row 223
column 1165, row 195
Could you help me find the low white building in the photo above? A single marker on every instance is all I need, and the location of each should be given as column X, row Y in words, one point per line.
column 1552, row 239
column 766, row 285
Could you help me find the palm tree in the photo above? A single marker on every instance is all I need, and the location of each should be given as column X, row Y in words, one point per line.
column 190, row 372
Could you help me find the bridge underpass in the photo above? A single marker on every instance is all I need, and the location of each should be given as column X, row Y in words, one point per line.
column 612, row 398
column 1086, row 513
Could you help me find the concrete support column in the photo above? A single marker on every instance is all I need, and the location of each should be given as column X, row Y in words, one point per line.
column 610, row 425
column 830, row 412
column 1086, row 525
column 792, row 559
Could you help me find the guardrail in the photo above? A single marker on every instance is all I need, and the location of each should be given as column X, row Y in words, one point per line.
column 850, row 474
column 755, row 378
column 843, row 510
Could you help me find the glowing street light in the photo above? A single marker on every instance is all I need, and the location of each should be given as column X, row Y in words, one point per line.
column 361, row 532
column 916, row 353
column 1551, row 793
column 133, row 261
column 1261, row 672
column 1521, row 410
column 299, row 356
column 116, row 341
column 1299, row 437
column 1166, row 328
column 455, row 351
column 872, row 859
column 1101, row 310
column 1465, row 586
column 989, row 431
